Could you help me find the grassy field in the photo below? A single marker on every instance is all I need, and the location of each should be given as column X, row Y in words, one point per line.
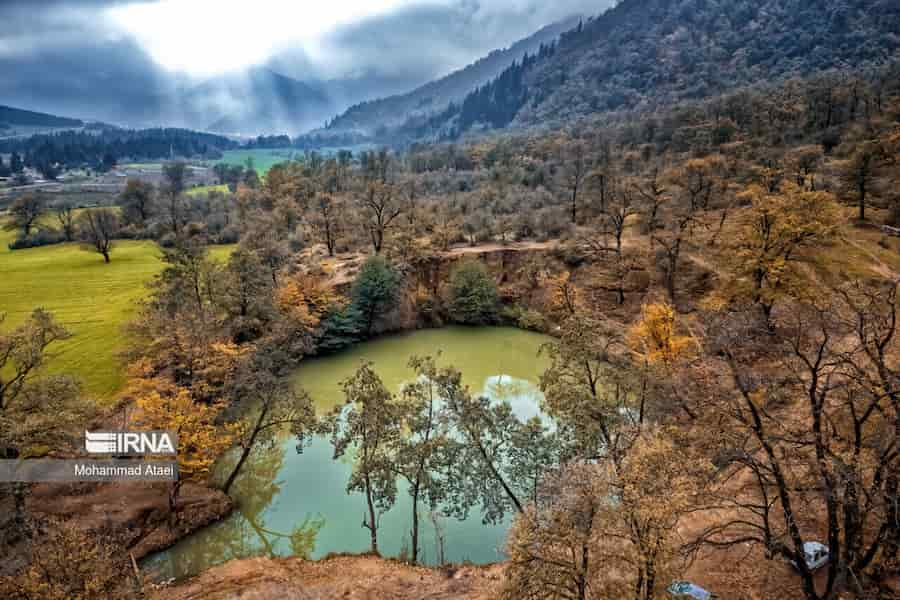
column 147, row 166
column 263, row 159
column 92, row 299
column 205, row 189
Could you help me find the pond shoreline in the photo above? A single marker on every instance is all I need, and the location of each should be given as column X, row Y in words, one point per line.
column 504, row 359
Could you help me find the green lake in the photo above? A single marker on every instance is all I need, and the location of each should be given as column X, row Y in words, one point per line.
column 296, row 504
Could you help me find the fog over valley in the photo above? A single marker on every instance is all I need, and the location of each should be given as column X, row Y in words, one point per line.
column 275, row 67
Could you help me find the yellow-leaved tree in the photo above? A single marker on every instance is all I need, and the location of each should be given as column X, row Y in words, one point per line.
column 656, row 338
column 306, row 298
column 69, row 563
column 201, row 441
column 764, row 256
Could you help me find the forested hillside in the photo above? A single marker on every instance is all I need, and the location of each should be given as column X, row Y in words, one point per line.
column 434, row 97
column 17, row 116
column 644, row 54
column 74, row 148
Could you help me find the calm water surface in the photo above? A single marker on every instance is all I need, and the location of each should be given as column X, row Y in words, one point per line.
column 297, row 504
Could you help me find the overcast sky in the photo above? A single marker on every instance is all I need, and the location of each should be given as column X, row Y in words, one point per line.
column 56, row 47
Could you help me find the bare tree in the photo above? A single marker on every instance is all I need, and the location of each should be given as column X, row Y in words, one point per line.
column 379, row 211
column 653, row 195
column 574, row 170
column 98, row 228
column 65, row 216
column 25, row 212
column 327, row 221
column 137, row 202
column 175, row 175
column 670, row 241
column 858, row 173
column 835, row 459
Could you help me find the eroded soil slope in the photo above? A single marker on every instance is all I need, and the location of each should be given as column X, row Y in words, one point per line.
column 350, row 577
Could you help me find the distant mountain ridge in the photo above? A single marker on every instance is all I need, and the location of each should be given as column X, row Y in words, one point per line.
column 433, row 97
column 28, row 118
column 643, row 54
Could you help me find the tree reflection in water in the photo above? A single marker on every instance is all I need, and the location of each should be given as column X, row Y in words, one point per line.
column 243, row 533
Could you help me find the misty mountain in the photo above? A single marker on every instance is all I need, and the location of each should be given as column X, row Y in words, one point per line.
column 266, row 102
column 114, row 80
column 644, row 54
column 433, row 97
column 253, row 102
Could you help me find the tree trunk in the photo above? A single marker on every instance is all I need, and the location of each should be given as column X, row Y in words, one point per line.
column 862, row 201
column 574, row 204
column 582, row 576
column 651, row 582
column 500, row 480
column 670, row 276
column 173, row 499
column 248, row 448
column 415, row 525
column 372, row 526
column 18, row 492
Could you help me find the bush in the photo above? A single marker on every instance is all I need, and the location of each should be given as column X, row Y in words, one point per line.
column 525, row 318
column 473, row 294
column 375, row 291
column 229, row 235
column 43, row 237
column 168, row 240
column 340, row 328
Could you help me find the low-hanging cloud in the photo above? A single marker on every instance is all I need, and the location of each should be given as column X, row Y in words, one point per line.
column 71, row 57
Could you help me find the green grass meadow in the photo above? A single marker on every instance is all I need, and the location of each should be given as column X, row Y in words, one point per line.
column 263, row 159
column 92, row 299
column 205, row 189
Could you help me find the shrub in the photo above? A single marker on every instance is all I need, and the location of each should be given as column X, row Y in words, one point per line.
column 43, row 237
column 340, row 329
column 374, row 291
column 473, row 294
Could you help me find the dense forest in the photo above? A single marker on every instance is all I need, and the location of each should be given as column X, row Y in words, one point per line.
column 72, row 149
column 434, row 97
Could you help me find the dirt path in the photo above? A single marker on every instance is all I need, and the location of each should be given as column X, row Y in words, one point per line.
column 343, row 267
column 487, row 248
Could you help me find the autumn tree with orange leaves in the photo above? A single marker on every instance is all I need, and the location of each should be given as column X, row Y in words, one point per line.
column 201, row 441
column 764, row 256
column 660, row 347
